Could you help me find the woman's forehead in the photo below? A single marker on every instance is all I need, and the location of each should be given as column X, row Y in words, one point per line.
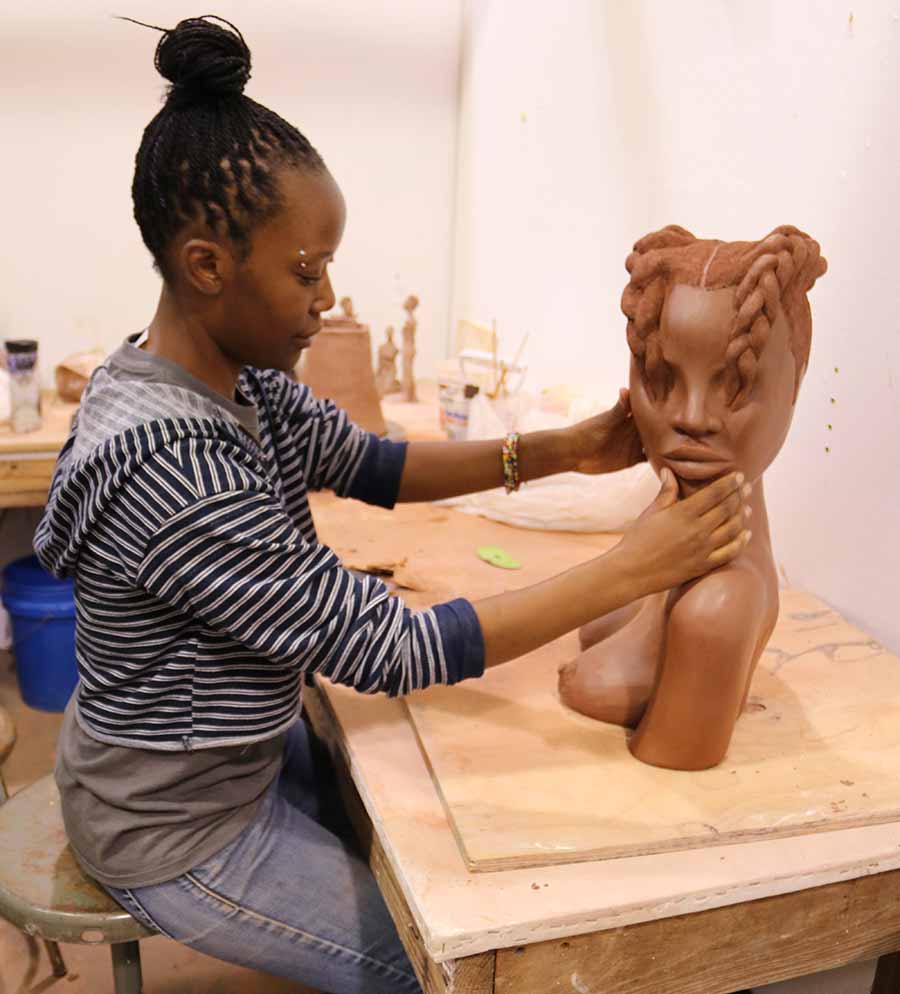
column 311, row 220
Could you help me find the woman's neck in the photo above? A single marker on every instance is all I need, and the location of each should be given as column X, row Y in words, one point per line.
column 182, row 338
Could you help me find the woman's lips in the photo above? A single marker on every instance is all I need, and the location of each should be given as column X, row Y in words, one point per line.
column 305, row 340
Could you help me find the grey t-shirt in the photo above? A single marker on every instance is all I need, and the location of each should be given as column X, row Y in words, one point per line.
column 137, row 817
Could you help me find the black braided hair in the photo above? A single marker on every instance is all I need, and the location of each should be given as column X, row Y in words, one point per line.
column 211, row 153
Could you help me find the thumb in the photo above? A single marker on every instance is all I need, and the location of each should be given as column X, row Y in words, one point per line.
column 621, row 410
column 668, row 493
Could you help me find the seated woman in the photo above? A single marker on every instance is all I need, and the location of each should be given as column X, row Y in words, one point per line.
column 720, row 335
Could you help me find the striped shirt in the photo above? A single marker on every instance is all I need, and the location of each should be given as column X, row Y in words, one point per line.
column 203, row 595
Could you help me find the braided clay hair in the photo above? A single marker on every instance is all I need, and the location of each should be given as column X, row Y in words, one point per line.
column 777, row 271
column 210, row 154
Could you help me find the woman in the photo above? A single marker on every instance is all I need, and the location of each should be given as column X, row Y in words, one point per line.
column 189, row 787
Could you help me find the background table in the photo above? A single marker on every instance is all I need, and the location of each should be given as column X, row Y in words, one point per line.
column 27, row 460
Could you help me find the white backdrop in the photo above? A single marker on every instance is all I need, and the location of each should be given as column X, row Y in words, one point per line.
column 373, row 86
column 586, row 124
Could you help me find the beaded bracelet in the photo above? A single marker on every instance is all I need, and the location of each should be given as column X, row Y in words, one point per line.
column 510, row 455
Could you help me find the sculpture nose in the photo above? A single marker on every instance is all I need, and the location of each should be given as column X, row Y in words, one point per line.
column 693, row 414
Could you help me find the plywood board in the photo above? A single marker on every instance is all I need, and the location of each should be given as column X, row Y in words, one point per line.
column 526, row 782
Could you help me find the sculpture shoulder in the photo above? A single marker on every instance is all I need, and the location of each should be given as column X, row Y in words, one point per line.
column 729, row 606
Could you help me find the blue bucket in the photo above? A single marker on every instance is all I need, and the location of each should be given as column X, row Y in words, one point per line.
column 42, row 610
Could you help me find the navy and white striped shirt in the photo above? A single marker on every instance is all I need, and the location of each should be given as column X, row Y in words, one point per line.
column 203, row 594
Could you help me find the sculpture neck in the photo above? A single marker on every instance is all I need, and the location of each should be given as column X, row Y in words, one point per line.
column 759, row 519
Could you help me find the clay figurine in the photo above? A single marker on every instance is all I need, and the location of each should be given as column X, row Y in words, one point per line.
column 720, row 335
column 346, row 305
column 386, row 374
column 408, row 383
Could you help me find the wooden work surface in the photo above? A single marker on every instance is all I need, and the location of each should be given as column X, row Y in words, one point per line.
column 527, row 782
column 456, row 916
column 27, row 460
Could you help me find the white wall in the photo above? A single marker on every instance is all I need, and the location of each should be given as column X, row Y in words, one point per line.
column 586, row 124
column 373, row 86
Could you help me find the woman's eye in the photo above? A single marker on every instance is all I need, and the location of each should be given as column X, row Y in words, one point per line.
column 309, row 280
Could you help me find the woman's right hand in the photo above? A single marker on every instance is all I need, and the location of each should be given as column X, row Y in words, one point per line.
column 675, row 541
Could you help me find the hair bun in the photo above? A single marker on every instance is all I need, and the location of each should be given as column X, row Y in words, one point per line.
column 203, row 59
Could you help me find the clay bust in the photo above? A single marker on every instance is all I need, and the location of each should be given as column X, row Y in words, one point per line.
column 409, row 349
column 720, row 336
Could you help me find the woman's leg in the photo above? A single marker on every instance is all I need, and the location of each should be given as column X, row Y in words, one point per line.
column 288, row 896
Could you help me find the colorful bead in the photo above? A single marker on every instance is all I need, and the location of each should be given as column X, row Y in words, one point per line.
column 510, row 455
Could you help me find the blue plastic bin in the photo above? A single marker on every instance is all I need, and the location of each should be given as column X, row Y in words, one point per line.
column 42, row 610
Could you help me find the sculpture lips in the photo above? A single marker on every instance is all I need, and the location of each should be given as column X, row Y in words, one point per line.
column 694, row 453
column 695, row 462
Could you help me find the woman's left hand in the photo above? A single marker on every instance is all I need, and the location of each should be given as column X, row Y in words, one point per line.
column 608, row 441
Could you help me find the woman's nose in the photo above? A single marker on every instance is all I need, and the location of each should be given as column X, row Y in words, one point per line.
column 325, row 298
column 694, row 414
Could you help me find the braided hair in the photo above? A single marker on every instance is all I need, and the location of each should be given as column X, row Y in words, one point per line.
column 211, row 153
column 777, row 271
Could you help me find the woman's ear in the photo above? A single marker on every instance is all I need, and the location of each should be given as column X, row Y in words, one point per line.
column 206, row 265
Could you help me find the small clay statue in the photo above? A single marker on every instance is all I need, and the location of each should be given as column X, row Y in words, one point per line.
column 386, row 374
column 346, row 305
column 719, row 334
column 408, row 382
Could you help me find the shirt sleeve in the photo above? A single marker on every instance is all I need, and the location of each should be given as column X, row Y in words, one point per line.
column 338, row 455
column 235, row 560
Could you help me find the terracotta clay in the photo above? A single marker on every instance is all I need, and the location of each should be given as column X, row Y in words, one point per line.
column 386, row 374
column 408, row 382
column 720, row 335
column 338, row 365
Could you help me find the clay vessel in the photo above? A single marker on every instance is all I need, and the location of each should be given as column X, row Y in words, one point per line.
column 338, row 365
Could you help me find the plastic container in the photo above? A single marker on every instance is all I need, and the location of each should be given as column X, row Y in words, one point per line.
column 42, row 610
column 24, row 384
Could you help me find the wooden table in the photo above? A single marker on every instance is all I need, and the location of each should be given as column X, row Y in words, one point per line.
column 766, row 911
column 27, row 460
column 708, row 921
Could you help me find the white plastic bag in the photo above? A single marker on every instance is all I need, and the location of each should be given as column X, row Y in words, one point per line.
column 566, row 502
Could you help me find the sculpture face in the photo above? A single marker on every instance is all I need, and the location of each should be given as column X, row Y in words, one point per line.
column 686, row 418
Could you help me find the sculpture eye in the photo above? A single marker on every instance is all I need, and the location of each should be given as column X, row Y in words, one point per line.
column 728, row 381
column 663, row 380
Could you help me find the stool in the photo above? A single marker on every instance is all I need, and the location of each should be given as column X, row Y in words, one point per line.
column 44, row 892
column 7, row 741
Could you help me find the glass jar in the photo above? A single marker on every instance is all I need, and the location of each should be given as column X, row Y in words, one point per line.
column 24, row 384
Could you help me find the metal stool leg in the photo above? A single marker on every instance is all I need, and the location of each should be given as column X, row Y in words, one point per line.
column 126, row 958
column 56, row 960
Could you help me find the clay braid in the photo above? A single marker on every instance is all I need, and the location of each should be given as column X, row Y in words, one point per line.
column 782, row 266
